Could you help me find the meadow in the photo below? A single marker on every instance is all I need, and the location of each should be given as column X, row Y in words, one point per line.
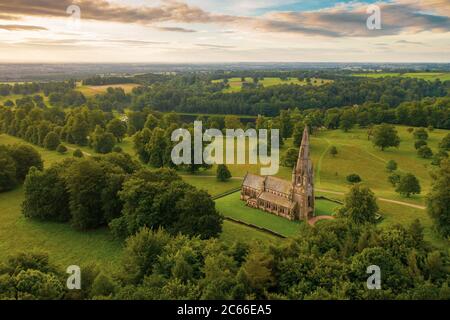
column 90, row 91
column 235, row 84
column 430, row 76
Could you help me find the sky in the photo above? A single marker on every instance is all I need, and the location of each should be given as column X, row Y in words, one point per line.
column 211, row 31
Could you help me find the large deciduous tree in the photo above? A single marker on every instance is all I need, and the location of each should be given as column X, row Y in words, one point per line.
column 385, row 136
column 438, row 200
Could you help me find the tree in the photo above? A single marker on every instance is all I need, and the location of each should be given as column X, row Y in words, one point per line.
column 353, row 178
column 333, row 151
column 46, row 196
column 51, row 141
column 232, row 122
column 438, row 200
column 421, row 134
column 7, row 170
column 156, row 148
column 420, row 143
column 425, row 152
column 118, row 128
column 385, row 136
column 102, row 142
column 25, row 157
column 408, row 185
column 290, row 158
column 85, row 182
column 445, row 143
column 391, row 166
column 61, row 149
column 223, row 174
column 346, row 121
column 394, row 179
column 298, row 134
column 152, row 122
column 360, row 205
column 78, row 153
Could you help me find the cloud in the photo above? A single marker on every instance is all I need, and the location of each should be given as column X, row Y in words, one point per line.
column 214, row 46
column 176, row 29
column 18, row 27
column 103, row 10
column 343, row 20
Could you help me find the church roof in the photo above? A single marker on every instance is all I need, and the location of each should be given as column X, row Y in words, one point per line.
column 273, row 198
column 279, row 185
column 254, row 181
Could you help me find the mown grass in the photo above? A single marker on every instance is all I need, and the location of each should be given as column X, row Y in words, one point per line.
column 232, row 206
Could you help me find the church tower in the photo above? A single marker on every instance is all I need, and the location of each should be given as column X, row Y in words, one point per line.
column 303, row 181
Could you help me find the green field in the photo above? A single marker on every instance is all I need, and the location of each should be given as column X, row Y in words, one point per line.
column 431, row 76
column 90, row 91
column 235, row 84
column 355, row 155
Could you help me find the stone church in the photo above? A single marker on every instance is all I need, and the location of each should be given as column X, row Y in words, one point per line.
column 293, row 200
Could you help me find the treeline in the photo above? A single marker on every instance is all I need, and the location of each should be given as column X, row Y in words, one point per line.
column 35, row 87
column 209, row 98
column 101, row 81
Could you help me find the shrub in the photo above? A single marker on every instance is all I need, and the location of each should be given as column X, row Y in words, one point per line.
column 420, row 143
column 61, row 149
column 78, row 153
column 354, row 178
column 425, row 152
column 51, row 141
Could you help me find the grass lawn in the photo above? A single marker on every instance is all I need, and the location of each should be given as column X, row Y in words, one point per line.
column 233, row 232
column 431, row 76
column 65, row 245
column 325, row 207
column 231, row 206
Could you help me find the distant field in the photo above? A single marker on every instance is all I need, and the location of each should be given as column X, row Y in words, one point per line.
column 90, row 91
column 236, row 83
column 431, row 76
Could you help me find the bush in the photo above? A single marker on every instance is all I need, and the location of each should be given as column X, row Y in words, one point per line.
column 61, row 149
column 420, row 143
column 354, row 178
column 425, row 152
column 78, row 153
column 391, row 166
column 394, row 179
column 223, row 174
column 117, row 149
column 421, row 134
column 51, row 141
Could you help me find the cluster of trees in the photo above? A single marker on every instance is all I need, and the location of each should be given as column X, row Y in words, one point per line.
column 109, row 80
column 36, row 87
column 328, row 262
column 114, row 190
column 48, row 127
column 15, row 162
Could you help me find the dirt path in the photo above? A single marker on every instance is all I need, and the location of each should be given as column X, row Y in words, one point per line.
column 415, row 206
column 314, row 220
